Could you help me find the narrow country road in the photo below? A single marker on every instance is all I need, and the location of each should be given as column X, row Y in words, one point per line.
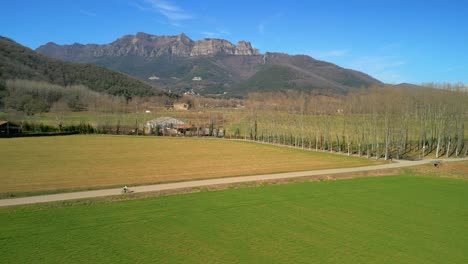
column 208, row 182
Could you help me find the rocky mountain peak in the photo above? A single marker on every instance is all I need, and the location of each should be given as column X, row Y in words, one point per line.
column 142, row 35
column 245, row 48
column 209, row 46
column 51, row 43
column 183, row 38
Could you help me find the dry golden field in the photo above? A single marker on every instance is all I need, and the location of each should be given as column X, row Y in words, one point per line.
column 46, row 164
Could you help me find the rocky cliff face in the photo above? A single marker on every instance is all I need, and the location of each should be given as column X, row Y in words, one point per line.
column 212, row 47
column 220, row 46
column 149, row 46
column 245, row 48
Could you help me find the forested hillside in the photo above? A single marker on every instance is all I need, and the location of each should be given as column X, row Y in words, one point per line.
column 19, row 62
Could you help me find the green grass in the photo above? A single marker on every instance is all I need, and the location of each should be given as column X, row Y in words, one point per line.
column 45, row 164
column 397, row 219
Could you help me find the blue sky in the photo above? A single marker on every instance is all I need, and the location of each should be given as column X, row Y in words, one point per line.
column 394, row 41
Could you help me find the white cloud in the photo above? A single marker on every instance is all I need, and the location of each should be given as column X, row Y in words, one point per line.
column 174, row 14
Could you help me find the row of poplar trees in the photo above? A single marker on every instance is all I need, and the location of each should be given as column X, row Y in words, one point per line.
column 382, row 122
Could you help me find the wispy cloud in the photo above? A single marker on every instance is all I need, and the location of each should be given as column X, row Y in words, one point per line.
column 378, row 63
column 87, row 13
column 209, row 34
column 174, row 13
column 330, row 53
column 384, row 68
column 140, row 7
column 215, row 34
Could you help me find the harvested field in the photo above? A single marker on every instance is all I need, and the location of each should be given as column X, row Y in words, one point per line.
column 48, row 164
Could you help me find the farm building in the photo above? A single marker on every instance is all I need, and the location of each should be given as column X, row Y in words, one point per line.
column 165, row 125
column 183, row 129
column 177, row 106
column 7, row 128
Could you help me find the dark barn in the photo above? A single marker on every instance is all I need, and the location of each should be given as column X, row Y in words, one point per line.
column 9, row 129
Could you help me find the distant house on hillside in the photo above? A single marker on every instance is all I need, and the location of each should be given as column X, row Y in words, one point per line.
column 181, row 106
column 164, row 125
column 8, row 129
column 177, row 106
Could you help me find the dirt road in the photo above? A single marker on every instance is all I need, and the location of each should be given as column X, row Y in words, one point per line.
column 208, row 182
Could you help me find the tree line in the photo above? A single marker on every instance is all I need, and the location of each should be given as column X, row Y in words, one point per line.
column 382, row 122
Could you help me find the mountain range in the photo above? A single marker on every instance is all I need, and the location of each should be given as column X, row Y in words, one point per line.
column 211, row 66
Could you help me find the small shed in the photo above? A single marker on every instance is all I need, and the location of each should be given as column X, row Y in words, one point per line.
column 8, row 129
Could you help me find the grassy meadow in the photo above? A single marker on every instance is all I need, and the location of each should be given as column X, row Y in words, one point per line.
column 395, row 219
column 45, row 164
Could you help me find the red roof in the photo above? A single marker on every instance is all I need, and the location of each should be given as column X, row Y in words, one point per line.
column 3, row 122
column 183, row 126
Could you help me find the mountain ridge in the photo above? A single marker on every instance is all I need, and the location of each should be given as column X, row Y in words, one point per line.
column 211, row 66
column 148, row 46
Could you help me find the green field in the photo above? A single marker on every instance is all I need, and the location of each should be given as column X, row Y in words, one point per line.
column 74, row 162
column 400, row 219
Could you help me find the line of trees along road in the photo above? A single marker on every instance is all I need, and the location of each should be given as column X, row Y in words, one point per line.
column 384, row 122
